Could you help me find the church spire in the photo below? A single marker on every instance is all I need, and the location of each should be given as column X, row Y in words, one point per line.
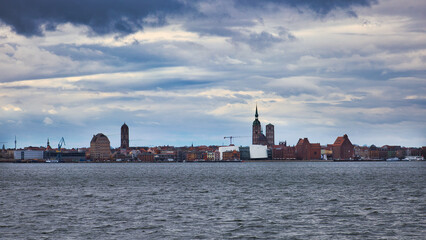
column 256, row 119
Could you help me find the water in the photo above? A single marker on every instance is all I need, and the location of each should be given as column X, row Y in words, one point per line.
column 300, row 200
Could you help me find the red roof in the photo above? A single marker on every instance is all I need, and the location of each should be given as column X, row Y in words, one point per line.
column 303, row 141
column 340, row 140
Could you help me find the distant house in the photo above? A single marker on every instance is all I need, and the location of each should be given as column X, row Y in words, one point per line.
column 343, row 148
column 374, row 152
column 231, row 155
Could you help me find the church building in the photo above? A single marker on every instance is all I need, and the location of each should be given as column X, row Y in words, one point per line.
column 258, row 138
column 124, row 136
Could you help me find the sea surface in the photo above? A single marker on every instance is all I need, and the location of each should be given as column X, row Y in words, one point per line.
column 264, row 200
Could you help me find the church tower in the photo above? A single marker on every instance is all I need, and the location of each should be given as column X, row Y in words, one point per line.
column 257, row 129
column 270, row 135
column 124, row 136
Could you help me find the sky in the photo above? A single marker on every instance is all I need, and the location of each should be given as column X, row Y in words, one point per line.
column 182, row 72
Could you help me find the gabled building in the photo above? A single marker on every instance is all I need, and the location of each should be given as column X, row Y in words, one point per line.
column 307, row 151
column 343, row 148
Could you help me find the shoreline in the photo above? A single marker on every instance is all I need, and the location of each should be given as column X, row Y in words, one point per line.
column 2, row 160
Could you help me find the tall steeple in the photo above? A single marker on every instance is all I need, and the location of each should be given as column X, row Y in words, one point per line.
column 256, row 118
column 257, row 129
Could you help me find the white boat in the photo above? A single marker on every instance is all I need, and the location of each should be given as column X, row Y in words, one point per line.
column 52, row 161
column 392, row 159
column 413, row 158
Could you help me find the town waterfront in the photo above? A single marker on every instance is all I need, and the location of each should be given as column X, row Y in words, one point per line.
column 269, row 200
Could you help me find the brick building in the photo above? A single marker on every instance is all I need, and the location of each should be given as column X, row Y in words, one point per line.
column 100, row 147
column 270, row 135
column 124, row 136
column 283, row 152
column 343, row 148
column 307, row 151
column 146, row 157
column 230, row 155
column 258, row 138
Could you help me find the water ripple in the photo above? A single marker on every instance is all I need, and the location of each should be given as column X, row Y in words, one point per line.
column 220, row 201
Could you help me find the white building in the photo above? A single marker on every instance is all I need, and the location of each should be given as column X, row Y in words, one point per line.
column 28, row 154
column 258, row 152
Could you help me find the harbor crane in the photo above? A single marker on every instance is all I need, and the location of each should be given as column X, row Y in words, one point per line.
column 231, row 137
column 59, row 151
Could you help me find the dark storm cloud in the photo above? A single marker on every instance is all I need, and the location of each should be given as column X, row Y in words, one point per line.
column 319, row 6
column 30, row 18
column 103, row 16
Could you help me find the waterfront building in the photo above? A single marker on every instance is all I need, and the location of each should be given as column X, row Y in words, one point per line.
column 146, row 157
column 259, row 152
column 217, row 155
column 343, row 148
column 258, row 138
column 124, row 136
column 226, row 149
column 244, row 153
column 28, row 155
column 374, row 152
column 191, row 156
column 231, row 155
column 165, row 154
column 210, row 156
column 391, row 151
column 307, row 151
column 100, row 148
column 283, row 152
column 361, row 152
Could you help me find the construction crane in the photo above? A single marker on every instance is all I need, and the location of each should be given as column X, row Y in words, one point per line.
column 231, row 137
column 59, row 151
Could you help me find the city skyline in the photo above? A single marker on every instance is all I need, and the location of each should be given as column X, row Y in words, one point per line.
column 181, row 73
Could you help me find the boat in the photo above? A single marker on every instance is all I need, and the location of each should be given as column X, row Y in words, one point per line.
column 392, row 159
column 52, row 161
column 413, row 158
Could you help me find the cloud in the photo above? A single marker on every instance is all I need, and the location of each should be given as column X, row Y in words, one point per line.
column 10, row 107
column 196, row 75
column 47, row 121
column 319, row 6
column 33, row 18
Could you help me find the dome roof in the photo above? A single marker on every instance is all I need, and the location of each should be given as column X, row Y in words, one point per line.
column 99, row 137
